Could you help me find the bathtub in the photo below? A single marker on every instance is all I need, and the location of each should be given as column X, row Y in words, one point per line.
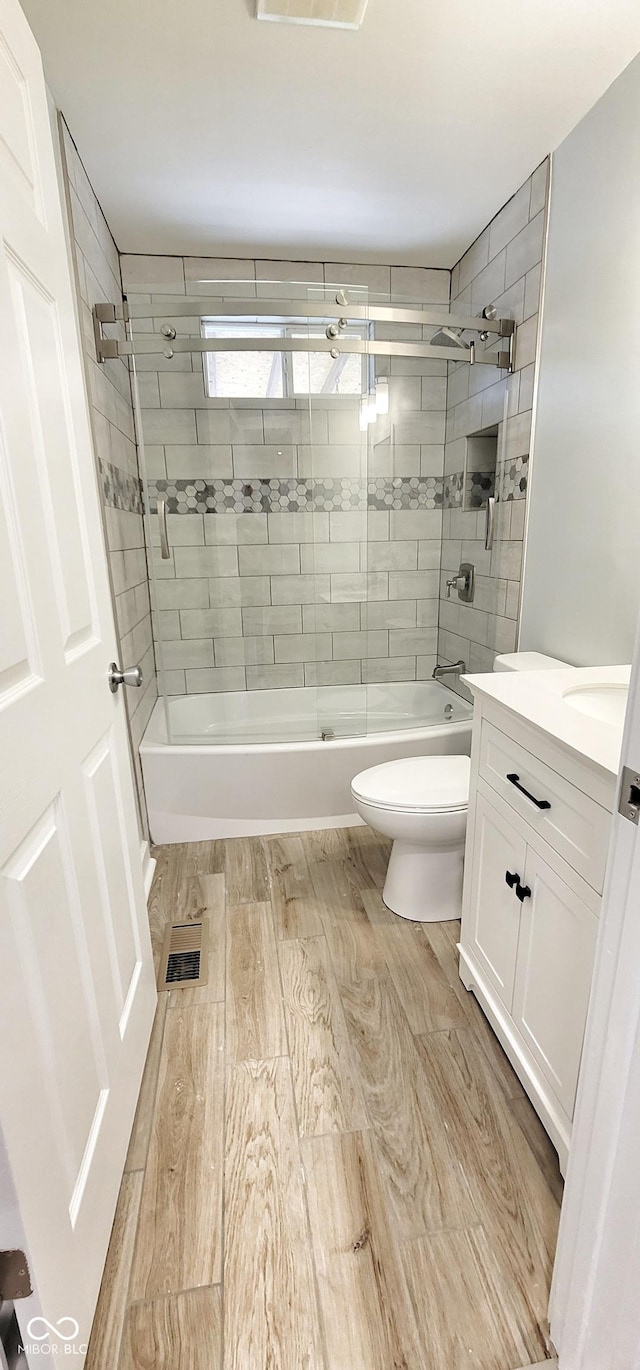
column 218, row 776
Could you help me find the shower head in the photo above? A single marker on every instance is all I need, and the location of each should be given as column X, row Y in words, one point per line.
column 449, row 337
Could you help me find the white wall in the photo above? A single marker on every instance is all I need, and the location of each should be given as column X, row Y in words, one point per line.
column 580, row 599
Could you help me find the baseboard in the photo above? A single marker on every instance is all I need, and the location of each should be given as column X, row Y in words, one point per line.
column 148, row 863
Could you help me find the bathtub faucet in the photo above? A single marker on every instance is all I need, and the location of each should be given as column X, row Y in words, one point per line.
column 457, row 668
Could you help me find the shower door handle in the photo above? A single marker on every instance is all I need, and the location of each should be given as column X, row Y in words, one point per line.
column 165, row 550
column 490, row 524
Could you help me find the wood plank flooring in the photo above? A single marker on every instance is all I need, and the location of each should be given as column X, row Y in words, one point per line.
column 332, row 1165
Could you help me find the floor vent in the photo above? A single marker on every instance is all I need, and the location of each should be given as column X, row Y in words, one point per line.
column 184, row 956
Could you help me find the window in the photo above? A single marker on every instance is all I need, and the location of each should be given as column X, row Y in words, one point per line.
column 282, row 375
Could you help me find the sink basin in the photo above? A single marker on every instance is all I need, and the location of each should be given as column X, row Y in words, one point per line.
column 607, row 703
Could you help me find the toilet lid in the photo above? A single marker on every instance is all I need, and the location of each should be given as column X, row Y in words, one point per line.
column 417, row 784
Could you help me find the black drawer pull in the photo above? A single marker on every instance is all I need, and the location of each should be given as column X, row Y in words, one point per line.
column 539, row 803
column 522, row 892
column 512, row 879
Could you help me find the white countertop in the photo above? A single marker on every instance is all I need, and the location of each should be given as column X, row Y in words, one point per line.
column 537, row 697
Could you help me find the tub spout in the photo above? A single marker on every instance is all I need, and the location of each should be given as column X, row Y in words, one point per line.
column 458, row 668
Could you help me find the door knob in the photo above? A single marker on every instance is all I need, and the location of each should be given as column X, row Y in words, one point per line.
column 131, row 676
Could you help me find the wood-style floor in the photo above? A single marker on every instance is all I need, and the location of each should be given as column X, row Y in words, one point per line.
column 332, row 1166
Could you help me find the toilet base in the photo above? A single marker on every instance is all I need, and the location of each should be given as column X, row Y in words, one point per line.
column 425, row 886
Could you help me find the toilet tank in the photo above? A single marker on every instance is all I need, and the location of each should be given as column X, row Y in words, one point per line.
column 527, row 661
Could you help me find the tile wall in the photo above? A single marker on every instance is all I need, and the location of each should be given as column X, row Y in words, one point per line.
column 98, row 276
column 302, row 554
column 502, row 267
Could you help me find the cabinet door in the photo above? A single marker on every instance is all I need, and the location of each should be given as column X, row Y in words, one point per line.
column 491, row 916
column 555, row 966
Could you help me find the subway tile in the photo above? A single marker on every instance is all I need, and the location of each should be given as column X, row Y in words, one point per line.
column 144, row 273
column 182, row 594
column 332, row 673
column 284, row 677
column 490, row 283
column 206, row 561
column 392, row 556
column 272, row 619
column 168, row 425
column 358, row 525
column 148, row 389
column 526, row 342
column 428, row 285
column 346, row 646
column 244, row 651
column 510, row 220
column 527, row 381
column 517, row 436
column 217, row 622
column 512, row 599
column 359, row 586
column 374, row 278
column 181, row 655
column 300, row 589
column 184, row 390
column 303, row 647
column 473, row 261
column 532, row 291
column 405, row 393
column 235, row 529
column 427, row 613
column 330, row 618
column 215, row 681
column 429, row 554
column 240, row 590
column 184, row 530
column 413, row 584
column 518, row 509
column 204, row 274
column 294, row 426
column 321, row 461
column 392, row 613
column 539, row 182
column 329, row 556
column 425, row 666
column 174, row 682
column 412, row 642
column 422, row 427
column 506, row 560
column 214, row 426
column 394, row 459
column 381, row 670
column 503, row 634
column 250, row 460
column 152, row 461
column 276, row 559
column 415, row 523
column 298, row 527
column 344, row 426
column 307, row 273
column 480, row 658
column 526, row 250
column 510, row 305
column 434, row 392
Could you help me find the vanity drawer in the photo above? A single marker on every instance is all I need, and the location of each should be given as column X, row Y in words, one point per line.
column 572, row 823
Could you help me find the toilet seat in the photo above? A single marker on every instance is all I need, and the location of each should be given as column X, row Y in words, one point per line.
column 416, row 785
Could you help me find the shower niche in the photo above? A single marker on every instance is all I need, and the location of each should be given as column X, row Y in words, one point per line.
column 480, row 466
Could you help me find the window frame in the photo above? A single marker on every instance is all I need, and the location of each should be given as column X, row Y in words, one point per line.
column 286, row 329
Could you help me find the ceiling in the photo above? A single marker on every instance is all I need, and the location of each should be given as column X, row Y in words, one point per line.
column 206, row 132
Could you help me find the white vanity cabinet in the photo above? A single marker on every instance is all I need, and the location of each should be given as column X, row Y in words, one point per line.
column 537, row 837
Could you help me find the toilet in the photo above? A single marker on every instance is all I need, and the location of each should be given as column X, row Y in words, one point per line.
column 421, row 802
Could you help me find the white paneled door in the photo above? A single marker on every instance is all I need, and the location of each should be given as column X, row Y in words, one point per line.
column 76, row 979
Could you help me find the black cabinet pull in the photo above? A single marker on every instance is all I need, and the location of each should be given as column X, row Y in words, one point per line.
column 512, row 879
column 522, row 892
column 539, row 803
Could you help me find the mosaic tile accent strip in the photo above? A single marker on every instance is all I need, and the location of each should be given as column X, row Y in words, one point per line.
column 480, row 486
column 514, row 478
column 453, row 486
column 119, row 489
column 280, row 496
